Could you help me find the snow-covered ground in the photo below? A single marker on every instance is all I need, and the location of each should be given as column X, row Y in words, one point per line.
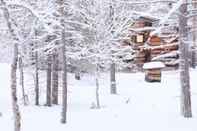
column 139, row 106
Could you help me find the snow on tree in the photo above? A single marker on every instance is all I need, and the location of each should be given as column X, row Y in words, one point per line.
column 104, row 24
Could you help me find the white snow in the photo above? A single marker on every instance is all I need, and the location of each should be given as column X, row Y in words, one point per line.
column 153, row 65
column 142, row 29
column 171, row 54
column 139, row 106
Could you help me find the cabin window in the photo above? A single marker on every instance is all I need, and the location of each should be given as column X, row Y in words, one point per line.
column 140, row 38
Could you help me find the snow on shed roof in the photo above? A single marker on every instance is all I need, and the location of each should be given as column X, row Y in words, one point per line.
column 142, row 29
column 153, row 65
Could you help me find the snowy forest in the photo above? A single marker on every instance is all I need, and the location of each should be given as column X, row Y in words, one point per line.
column 99, row 65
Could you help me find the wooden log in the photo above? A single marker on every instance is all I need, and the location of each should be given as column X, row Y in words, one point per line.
column 154, row 78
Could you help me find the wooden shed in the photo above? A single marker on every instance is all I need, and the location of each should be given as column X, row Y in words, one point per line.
column 153, row 71
column 148, row 46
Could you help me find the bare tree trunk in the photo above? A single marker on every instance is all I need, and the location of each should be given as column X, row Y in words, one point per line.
column 55, row 78
column 194, row 21
column 97, row 87
column 184, row 63
column 25, row 99
column 113, row 65
column 113, row 78
column 64, row 78
column 15, row 106
column 61, row 4
column 36, row 71
column 48, row 96
column 36, row 80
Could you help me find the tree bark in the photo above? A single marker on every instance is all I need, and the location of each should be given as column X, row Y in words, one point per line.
column 48, row 96
column 184, row 63
column 55, row 78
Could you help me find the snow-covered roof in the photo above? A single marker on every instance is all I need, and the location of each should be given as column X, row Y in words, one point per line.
column 167, row 55
column 153, row 65
column 142, row 29
column 146, row 17
column 147, row 47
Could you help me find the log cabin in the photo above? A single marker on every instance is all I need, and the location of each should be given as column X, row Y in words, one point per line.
column 149, row 47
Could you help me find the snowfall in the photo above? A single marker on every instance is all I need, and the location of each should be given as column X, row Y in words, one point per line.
column 138, row 106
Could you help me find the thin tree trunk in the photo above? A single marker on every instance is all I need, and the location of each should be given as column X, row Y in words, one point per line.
column 64, row 78
column 97, row 87
column 48, row 96
column 15, row 106
column 22, row 81
column 113, row 78
column 113, row 89
column 36, row 71
column 194, row 21
column 184, row 63
column 55, row 78
column 61, row 4
column 36, row 80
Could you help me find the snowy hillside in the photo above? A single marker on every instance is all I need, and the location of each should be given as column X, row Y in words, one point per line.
column 138, row 106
